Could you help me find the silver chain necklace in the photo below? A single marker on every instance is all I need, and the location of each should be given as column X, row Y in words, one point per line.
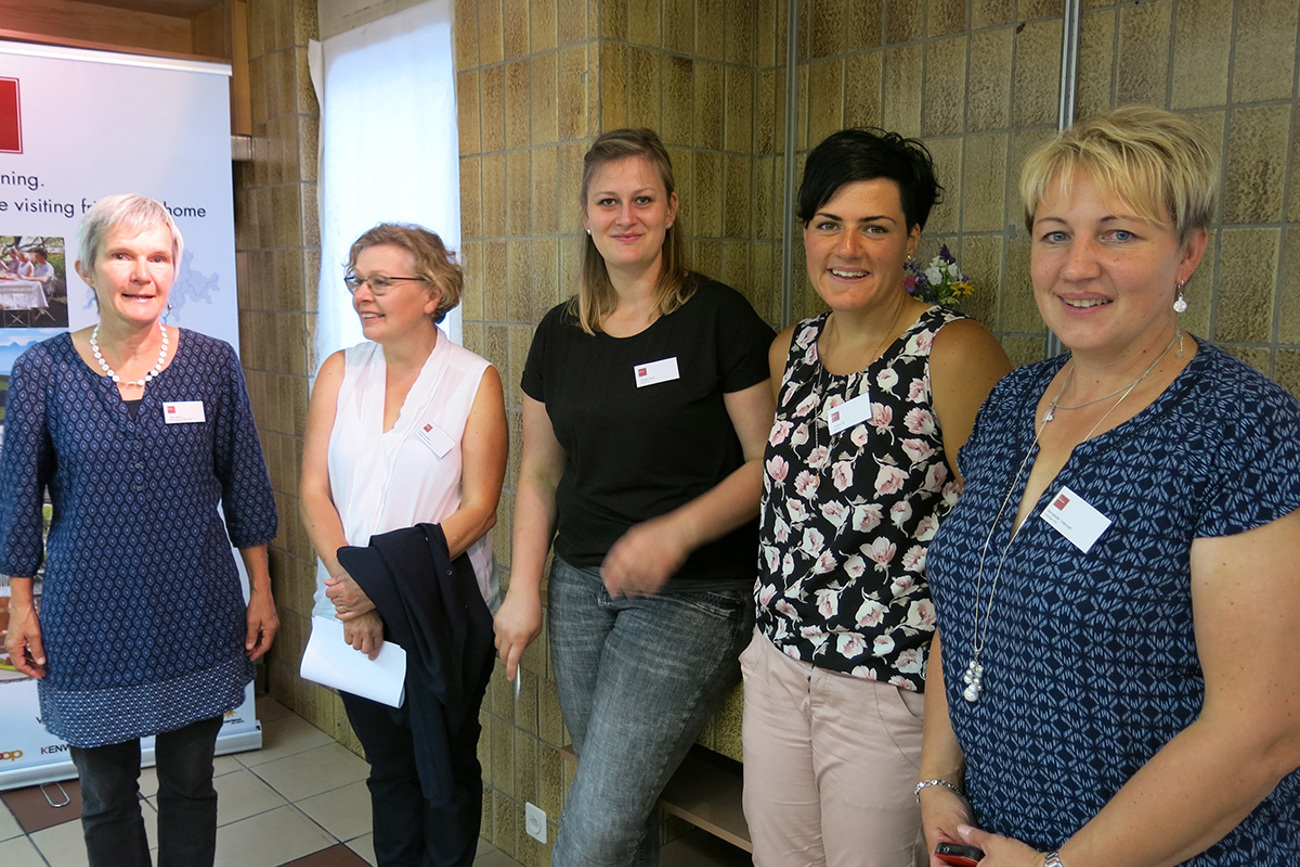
column 973, row 676
column 112, row 374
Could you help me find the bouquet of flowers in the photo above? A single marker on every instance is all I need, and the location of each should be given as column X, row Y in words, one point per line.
column 941, row 282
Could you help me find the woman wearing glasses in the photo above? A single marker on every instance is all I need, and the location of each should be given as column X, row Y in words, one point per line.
column 405, row 428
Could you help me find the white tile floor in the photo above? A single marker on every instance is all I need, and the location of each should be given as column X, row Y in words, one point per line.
column 300, row 794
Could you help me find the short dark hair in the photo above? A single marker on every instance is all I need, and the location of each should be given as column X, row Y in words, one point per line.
column 866, row 154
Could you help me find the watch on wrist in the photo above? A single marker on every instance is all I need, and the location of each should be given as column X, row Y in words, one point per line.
column 1053, row 859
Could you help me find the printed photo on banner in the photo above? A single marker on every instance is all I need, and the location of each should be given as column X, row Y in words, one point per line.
column 33, row 282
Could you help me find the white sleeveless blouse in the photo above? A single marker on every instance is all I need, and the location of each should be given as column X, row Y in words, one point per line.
column 412, row 473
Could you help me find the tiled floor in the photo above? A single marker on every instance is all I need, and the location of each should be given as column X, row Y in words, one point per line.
column 300, row 800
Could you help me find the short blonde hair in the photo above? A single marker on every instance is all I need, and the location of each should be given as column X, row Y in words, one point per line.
column 1157, row 163
column 434, row 263
column 596, row 296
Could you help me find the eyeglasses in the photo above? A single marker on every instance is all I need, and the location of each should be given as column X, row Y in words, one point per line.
column 378, row 285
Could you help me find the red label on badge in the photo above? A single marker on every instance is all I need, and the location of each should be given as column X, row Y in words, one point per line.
column 1061, row 502
column 11, row 120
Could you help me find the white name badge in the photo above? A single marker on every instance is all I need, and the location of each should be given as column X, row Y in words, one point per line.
column 435, row 438
column 663, row 370
column 850, row 413
column 1075, row 519
column 183, row 411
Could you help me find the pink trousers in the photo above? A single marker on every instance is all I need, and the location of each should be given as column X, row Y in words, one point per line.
column 830, row 765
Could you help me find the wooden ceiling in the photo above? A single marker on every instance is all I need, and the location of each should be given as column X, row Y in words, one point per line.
column 177, row 8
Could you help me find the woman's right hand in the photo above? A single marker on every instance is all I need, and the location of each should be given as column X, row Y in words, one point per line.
column 365, row 633
column 943, row 811
column 350, row 601
column 23, row 640
column 517, row 624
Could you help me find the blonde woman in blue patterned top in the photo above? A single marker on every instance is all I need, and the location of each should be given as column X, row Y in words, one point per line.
column 1118, row 590
column 873, row 400
column 137, row 430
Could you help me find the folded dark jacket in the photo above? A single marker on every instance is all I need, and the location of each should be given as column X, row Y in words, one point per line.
column 432, row 607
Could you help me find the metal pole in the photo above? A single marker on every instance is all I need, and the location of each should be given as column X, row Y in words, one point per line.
column 1065, row 113
column 791, row 139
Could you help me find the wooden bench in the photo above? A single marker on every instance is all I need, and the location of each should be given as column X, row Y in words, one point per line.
column 705, row 792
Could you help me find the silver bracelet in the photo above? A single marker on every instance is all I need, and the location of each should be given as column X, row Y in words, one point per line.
column 1053, row 859
column 926, row 784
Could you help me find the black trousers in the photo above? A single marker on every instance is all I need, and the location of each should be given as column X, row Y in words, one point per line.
column 409, row 830
column 187, row 803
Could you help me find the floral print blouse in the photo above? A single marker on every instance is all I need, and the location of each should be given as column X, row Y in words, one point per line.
column 847, row 517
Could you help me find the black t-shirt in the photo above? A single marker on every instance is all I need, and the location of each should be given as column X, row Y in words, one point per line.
column 635, row 453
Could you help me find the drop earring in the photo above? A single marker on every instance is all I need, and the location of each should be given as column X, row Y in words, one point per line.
column 1180, row 304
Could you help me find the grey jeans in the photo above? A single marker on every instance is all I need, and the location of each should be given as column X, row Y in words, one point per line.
column 638, row 679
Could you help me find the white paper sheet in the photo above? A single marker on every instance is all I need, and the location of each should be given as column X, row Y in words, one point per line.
column 329, row 661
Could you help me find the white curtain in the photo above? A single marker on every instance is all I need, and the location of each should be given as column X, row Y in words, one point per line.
column 389, row 149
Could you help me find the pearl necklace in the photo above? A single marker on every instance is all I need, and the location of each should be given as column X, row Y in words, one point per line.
column 112, row 374
column 973, row 676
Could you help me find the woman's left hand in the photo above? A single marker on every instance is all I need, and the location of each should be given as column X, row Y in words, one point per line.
column 1001, row 851
column 350, row 601
column 263, row 623
column 644, row 558
column 365, row 633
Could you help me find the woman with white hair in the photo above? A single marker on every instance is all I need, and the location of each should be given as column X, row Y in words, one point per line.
column 137, row 431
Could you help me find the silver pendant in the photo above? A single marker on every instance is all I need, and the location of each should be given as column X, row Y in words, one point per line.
column 973, row 677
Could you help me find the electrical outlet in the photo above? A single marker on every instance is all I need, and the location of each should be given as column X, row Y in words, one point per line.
column 535, row 822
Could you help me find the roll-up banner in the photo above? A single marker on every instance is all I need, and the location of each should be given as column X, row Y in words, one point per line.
column 76, row 125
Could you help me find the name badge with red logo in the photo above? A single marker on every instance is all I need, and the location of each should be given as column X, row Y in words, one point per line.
column 845, row 415
column 663, row 370
column 435, row 438
column 183, row 411
column 1075, row 519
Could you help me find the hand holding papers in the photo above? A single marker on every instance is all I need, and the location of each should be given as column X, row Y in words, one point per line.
column 330, row 661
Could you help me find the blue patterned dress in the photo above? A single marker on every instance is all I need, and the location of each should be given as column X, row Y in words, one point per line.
column 142, row 615
column 1090, row 661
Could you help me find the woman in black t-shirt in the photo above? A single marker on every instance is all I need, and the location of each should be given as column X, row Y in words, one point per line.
column 646, row 406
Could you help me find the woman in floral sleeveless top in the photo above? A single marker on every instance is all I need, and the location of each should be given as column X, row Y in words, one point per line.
column 873, row 400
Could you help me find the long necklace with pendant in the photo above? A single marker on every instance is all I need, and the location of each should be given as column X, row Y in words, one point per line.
column 973, row 676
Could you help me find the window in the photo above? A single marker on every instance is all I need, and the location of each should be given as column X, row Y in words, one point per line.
column 389, row 146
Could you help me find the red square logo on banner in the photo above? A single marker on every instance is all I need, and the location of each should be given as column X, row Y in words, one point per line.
column 11, row 117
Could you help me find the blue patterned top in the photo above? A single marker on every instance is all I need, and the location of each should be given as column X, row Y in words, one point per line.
column 1090, row 661
column 142, row 615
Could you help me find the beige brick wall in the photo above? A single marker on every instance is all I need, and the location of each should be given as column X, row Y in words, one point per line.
column 277, row 241
column 977, row 81
column 536, row 82
column 538, row 79
column 1230, row 67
